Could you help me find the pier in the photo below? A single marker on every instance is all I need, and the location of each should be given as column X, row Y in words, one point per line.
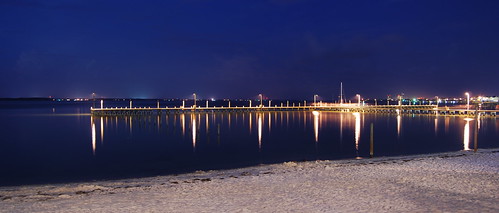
column 388, row 109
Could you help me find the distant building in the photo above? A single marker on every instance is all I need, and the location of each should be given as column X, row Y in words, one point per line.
column 489, row 99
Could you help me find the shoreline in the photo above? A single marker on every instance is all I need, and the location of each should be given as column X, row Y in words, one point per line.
column 288, row 181
column 359, row 160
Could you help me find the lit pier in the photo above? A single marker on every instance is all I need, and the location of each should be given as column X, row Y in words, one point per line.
column 388, row 109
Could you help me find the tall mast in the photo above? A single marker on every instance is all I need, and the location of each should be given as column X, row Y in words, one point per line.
column 341, row 92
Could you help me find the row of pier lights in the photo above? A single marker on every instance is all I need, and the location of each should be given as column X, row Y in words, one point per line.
column 260, row 95
column 305, row 102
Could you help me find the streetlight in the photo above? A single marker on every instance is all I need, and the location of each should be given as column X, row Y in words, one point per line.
column 194, row 94
column 468, row 103
column 358, row 96
column 93, row 99
column 261, row 100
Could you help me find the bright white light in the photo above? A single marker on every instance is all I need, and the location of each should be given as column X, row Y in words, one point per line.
column 316, row 125
column 399, row 122
column 182, row 122
column 466, row 137
column 357, row 129
column 93, row 135
column 102, row 129
column 194, row 126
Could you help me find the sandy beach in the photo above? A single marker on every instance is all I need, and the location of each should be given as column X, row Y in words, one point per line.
column 445, row 182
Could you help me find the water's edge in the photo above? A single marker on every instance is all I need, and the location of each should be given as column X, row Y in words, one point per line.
column 201, row 176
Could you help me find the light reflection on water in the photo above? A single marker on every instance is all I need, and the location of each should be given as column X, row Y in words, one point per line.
column 131, row 124
column 182, row 122
column 349, row 122
column 357, row 129
column 466, row 139
column 399, row 123
column 273, row 118
column 193, row 126
column 260, row 124
column 102, row 129
column 207, row 124
column 270, row 121
column 250, row 121
column 316, row 125
column 262, row 117
column 341, row 126
column 436, row 125
column 93, row 135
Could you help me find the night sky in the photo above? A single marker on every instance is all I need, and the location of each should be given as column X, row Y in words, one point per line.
column 285, row 49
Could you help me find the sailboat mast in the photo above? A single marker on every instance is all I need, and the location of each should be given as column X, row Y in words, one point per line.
column 341, row 92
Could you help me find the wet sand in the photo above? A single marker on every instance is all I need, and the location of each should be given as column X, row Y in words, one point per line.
column 450, row 182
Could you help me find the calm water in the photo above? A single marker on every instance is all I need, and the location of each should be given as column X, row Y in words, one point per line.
column 59, row 141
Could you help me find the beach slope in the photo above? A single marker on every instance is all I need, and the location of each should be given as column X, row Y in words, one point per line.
column 450, row 182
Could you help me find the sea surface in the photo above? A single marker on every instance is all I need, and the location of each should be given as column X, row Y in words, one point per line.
column 60, row 141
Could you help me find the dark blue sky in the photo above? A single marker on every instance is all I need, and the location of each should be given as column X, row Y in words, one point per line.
column 289, row 49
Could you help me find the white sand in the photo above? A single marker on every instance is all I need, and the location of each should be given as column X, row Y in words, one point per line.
column 448, row 182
